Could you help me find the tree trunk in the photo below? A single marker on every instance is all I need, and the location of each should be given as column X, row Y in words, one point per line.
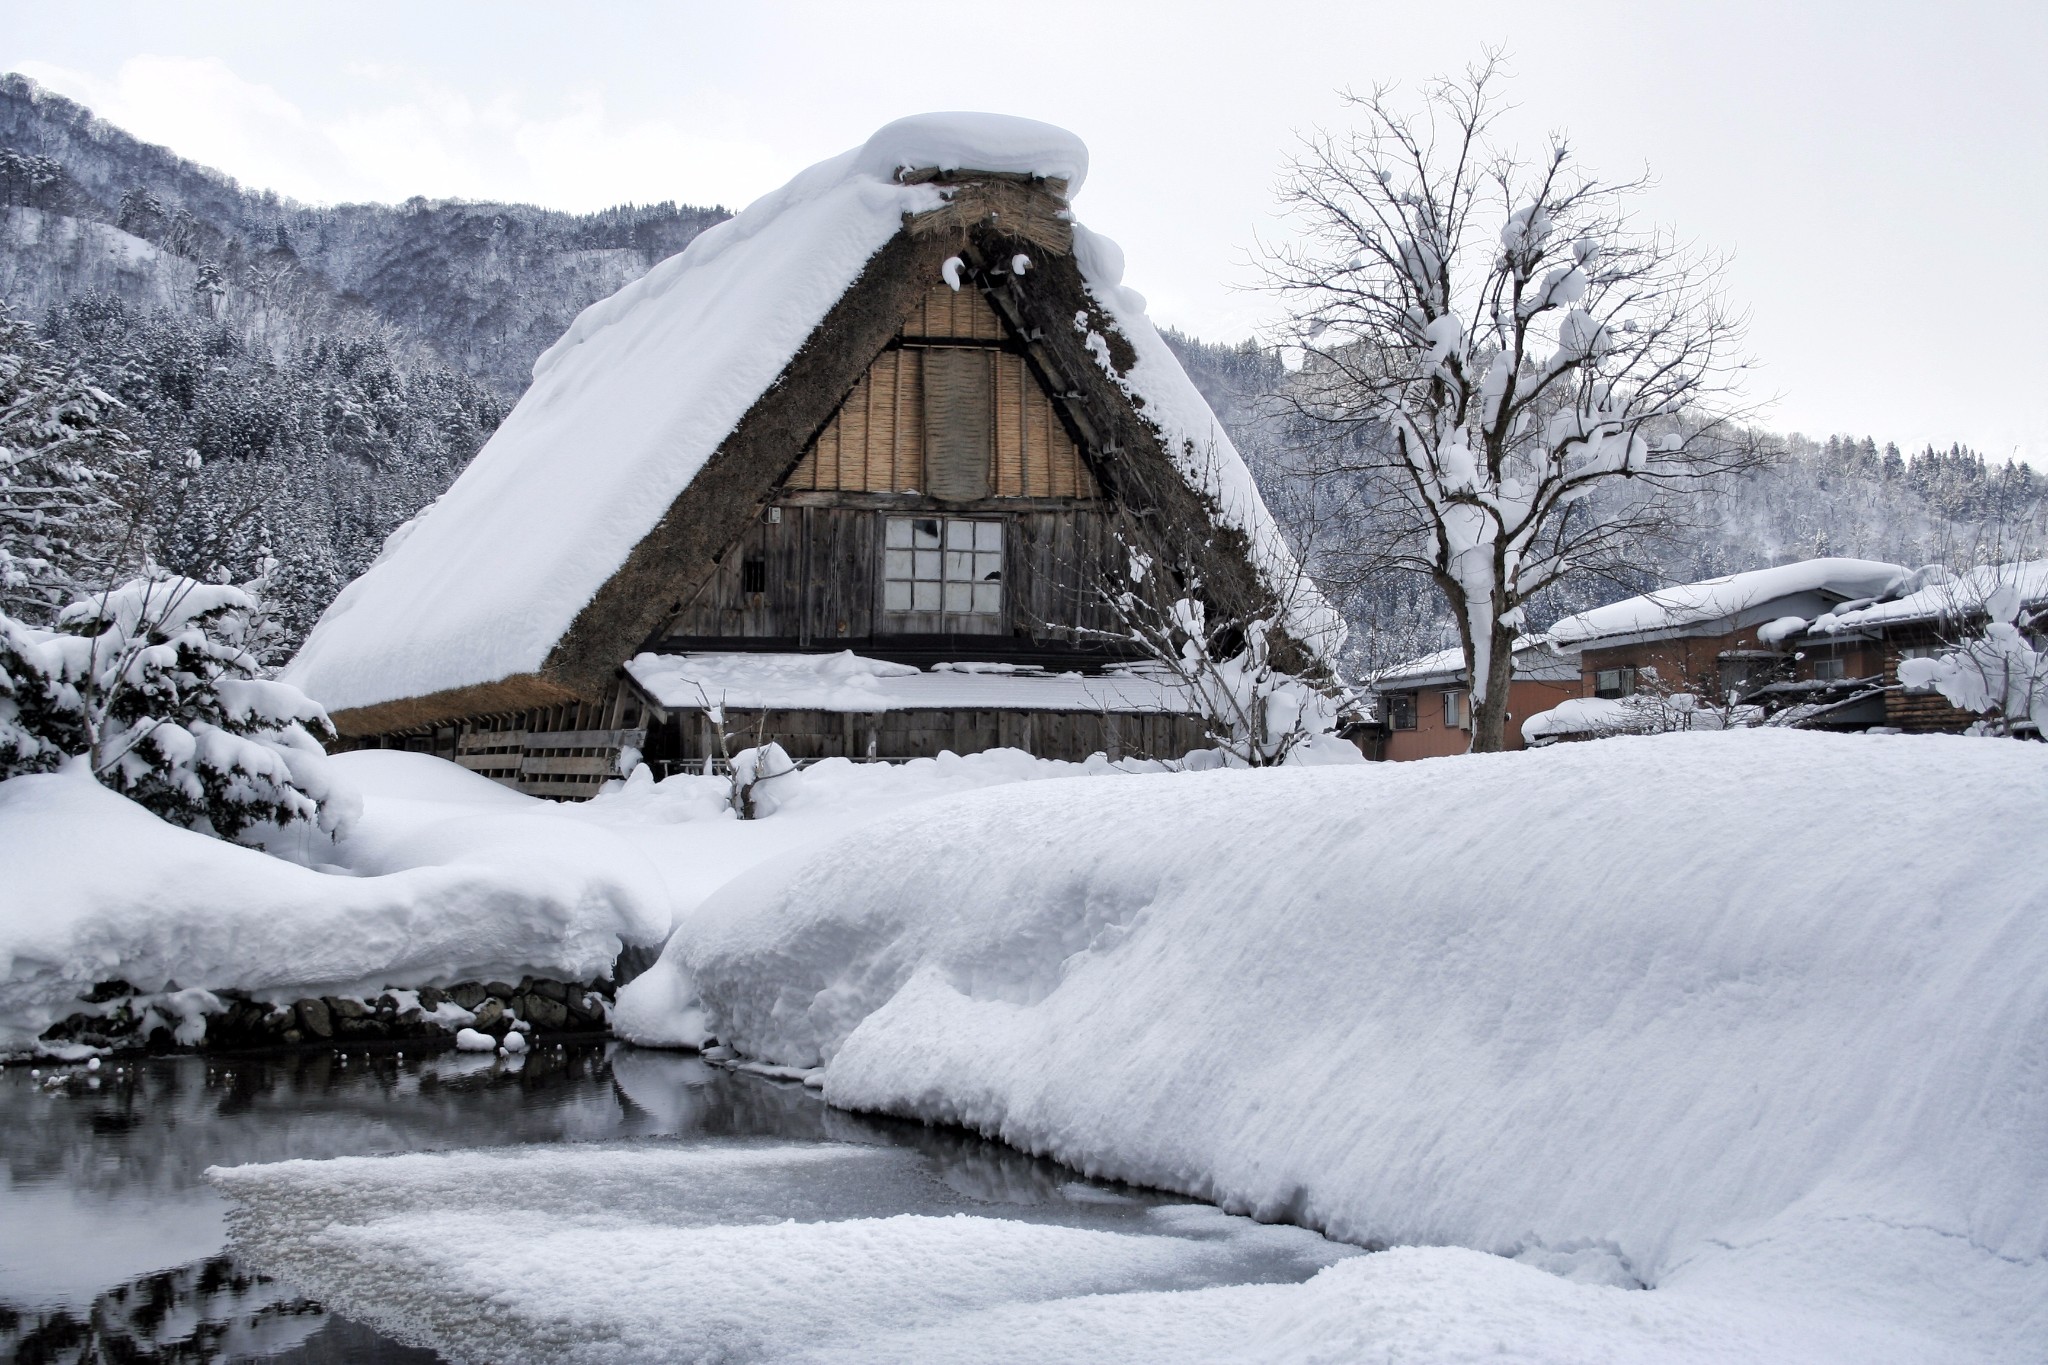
column 1490, row 715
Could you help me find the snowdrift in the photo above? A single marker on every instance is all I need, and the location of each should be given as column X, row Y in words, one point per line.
column 1753, row 1018
column 446, row 877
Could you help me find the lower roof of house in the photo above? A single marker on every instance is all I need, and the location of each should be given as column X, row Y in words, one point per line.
column 850, row 683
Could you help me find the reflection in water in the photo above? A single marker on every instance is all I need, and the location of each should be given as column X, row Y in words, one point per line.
column 116, row 1247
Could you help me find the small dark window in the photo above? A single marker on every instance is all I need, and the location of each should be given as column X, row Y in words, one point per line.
column 754, row 575
column 1614, row 682
column 1401, row 710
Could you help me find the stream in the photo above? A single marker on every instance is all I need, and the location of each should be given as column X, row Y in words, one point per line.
column 117, row 1248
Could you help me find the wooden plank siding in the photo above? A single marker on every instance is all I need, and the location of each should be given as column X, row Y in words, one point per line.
column 687, row 739
column 821, row 571
column 875, row 442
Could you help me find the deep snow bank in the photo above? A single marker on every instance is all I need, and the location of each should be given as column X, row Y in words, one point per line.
column 1743, row 1015
column 445, row 877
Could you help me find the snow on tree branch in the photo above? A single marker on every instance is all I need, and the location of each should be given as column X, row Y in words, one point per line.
column 1490, row 338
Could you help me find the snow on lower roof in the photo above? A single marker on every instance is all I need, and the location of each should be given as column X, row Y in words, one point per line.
column 645, row 385
column 1532, row 662
column 1952, row 599
column 1714, row 599
column 848, row 682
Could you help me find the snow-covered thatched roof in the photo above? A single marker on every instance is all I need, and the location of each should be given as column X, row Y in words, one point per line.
column 650, row 392
column 1731, row 602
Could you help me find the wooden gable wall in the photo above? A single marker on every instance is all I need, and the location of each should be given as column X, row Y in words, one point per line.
column 874, row 443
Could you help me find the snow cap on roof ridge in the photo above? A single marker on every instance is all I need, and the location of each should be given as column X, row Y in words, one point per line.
column 1002, row 143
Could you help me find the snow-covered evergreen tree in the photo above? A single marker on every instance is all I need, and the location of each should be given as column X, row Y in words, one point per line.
column 152, row 686
column 64, row 465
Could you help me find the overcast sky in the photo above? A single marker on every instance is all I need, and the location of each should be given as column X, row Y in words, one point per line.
column 1880, row 172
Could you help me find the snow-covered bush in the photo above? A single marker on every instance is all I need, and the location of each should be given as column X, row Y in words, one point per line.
column 1650, row 712
column 152, row 684
column 762, row 778
column 1259, row 716
column 2002, row 674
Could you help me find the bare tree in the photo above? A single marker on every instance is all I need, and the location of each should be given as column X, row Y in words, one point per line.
column 1254, row 711
column 1489, row 339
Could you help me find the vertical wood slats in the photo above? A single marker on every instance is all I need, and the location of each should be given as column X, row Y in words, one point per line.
column 875, row 443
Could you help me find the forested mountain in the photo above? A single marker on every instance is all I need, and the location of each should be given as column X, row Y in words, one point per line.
column 297, row 381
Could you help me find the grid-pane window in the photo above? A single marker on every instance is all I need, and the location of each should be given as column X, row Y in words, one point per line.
column 943, row 564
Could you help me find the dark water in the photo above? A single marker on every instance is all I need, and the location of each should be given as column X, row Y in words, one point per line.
column 114, row 1248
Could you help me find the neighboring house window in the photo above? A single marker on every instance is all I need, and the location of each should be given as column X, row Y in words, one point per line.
column 1614, row 682
column 1745, row 676
column 943, row 564
column 1830, row 670
column 1457, row 710
column 1401, row 710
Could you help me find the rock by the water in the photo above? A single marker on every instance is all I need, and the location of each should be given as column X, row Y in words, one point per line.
column 314, row 1018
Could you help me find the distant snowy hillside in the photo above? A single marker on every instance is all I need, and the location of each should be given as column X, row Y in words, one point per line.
column 487, row 286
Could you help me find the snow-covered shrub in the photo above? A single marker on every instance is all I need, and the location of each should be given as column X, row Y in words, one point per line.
column 1649, row 712
column 762, row 778
column 2001, row 675
column 152, row 684
column 1259, row 716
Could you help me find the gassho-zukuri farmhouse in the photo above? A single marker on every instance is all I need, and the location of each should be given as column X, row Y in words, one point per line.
column 863, row 470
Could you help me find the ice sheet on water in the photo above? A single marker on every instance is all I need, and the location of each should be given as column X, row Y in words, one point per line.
column 730, row 1251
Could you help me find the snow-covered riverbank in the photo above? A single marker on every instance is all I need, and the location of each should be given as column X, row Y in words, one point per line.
column 1698, row 1047
column 1753, row 1019
column 444, row 877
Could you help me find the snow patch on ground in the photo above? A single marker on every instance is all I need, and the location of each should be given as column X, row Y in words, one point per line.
column 1755, row 1015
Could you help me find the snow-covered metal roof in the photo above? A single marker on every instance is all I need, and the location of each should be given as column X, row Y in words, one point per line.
column 1733, row 601
column 1533, row 662
column 848, row 682
column 1944, row 597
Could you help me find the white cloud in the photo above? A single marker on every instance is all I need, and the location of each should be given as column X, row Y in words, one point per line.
column 205, row 112
column 403, row 135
